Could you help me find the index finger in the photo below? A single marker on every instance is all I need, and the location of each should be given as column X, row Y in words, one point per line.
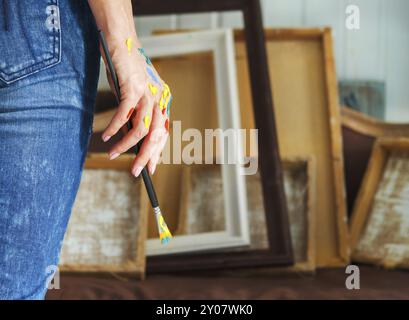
column 121, row 116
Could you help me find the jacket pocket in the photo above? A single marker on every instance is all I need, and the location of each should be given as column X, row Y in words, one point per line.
column 30, row 37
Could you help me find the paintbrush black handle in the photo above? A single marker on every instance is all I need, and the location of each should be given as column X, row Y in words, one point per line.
column 145, row 175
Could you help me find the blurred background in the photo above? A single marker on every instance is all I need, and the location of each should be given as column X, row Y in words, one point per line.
column 375, row 55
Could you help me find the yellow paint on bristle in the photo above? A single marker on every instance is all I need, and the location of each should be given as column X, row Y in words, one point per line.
column 153, row 89
column 129, row 45
column 164, row 233
column 147, row 121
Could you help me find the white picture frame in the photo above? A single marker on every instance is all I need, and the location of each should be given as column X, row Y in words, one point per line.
column 220, row 42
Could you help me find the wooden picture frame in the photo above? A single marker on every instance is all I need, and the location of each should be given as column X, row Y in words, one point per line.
column 370, row 126
column 220, row 44
column 360, row 132
column 124, row 251
column 299, row 181
column 379, row 229
column 279, row 251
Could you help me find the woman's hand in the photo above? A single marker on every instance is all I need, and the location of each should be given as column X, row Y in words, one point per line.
column 145, row 98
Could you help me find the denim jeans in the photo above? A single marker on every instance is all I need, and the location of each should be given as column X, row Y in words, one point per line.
column 49, row 68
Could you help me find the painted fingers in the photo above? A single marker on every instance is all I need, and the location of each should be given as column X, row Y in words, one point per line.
column 148, row 109
column 156, row 139
column 152, row 146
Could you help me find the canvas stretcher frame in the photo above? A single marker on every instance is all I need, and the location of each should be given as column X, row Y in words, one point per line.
column 360, row 132
column 363, row 207
column 132, row 267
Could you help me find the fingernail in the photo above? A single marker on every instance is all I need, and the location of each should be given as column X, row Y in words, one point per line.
column 106, row 138
column 114, row 155
column 137, row 171
column 152, row 171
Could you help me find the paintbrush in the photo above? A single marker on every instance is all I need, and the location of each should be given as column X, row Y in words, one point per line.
column 164, row 233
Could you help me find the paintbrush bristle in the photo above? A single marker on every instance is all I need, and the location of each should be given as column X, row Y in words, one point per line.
column 164, row 233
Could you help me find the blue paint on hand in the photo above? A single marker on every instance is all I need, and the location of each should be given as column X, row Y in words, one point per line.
column 168, row 106
column 153, row 75
column 142, row 52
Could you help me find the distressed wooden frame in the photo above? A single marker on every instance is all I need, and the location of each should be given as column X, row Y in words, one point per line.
column 360, row 132
column 280, row 251
column 373, row 175
column 306, row 266
column 134, row 268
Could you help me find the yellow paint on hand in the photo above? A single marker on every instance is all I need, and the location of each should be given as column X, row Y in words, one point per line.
column 164, row 99
column 147, row 121
column 153, row 89
column 129, row 45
